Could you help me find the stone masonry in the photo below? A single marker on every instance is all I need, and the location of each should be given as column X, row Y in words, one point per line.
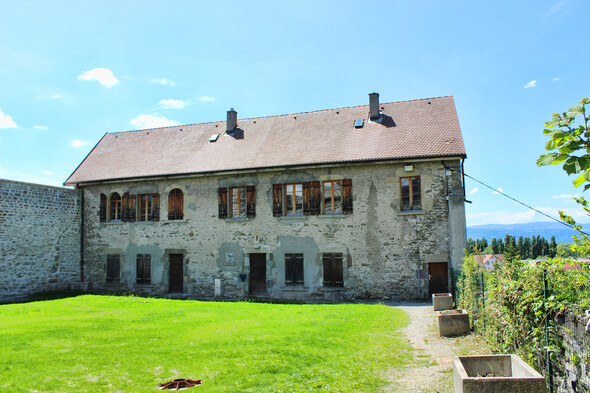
column 39, row 239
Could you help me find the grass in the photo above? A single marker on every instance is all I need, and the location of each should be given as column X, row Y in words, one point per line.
column 130, row 344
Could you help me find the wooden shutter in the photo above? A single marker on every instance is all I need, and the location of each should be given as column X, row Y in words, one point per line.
column 307, row 199
column 327, row 260
column 102, row 212
column 139, row 267
column 316, row 197
column 277, row 200
column 333, row 276
column 113, row 268
column 144, row 268
column 289, row 269
column 347, row 196
column 132, row 211
column 222, row 202
column 337, row 274
column 299, row 269
column 175, row 205
column 251, row 201
column 125, row 207
column 155, row 207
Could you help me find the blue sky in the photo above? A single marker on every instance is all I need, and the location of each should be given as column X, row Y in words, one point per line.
column 71, row 71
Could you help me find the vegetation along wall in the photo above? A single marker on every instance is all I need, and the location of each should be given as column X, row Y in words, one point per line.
column 39, row 238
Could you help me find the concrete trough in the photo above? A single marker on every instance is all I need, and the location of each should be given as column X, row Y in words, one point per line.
column 453, row 323
column 495, row 374
column 442, row 301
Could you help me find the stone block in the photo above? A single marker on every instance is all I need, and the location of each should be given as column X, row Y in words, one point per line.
column 442, row 301
column 495, row 373
column 453, row 322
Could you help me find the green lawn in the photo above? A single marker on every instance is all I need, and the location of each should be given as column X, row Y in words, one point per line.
column 130, row 344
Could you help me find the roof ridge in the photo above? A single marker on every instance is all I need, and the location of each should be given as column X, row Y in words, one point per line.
column 285, row 114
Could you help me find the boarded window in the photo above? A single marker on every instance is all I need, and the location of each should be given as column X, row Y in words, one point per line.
column 115, row 210
column 175, row 205
column 144, row 269
column 277, row 200
column 113, row 268
column 102, row 210
column 294, row 269
column 333, row 276
column 294, row 199
column 410, row 193
column 222, row 192
column 332, row 197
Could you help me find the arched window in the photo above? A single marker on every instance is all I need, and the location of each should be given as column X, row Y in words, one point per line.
column 115, row 208
column 175, row 204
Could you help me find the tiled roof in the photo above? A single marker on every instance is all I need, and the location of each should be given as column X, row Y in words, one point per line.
column 408, row 129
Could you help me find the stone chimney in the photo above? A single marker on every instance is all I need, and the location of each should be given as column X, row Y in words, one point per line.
column 232, row 121
column 373, row 107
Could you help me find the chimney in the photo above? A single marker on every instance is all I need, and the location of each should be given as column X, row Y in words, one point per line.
column 232, row 121
column 373, row 106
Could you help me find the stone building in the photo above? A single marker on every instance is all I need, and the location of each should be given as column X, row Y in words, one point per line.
column 363, row 201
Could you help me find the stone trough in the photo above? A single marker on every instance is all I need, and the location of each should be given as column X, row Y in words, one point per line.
column 495, row 374
column 442, row 301
column 453, row 323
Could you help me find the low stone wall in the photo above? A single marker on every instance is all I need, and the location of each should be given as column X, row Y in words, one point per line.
column 39, row 239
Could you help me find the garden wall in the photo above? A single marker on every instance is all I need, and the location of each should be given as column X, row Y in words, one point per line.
column 39, row 238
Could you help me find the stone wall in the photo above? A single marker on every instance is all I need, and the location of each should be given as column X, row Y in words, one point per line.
column 386, row 251
column 39, row 238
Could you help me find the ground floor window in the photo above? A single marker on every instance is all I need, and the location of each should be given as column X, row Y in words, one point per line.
column 113, row 267
column 294, row 269
column 333, row 276
column 144, row 268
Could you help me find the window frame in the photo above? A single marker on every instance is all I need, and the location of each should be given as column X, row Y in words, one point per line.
column 175, row 204
column 411, row 193
column 144, row 206
column 294, row 192
column 333, row 207
column 118, row 205
column 241, row 191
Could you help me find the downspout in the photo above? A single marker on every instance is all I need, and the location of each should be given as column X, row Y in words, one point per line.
column 81, row 233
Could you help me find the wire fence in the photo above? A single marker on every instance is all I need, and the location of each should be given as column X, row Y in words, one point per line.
column 558, row 345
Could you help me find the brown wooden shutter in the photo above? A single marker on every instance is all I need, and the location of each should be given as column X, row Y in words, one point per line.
column 171, row 205
column 155, row 207
column 102, row 211
column 132, row 211
column 347, row 196
column 277, row 200
column 307, row 199
column 179, row 205
column 289, row 269
column 222, row 202
column 125, row 207
column 337, row 274
column 316, row 197
column 251, row 201
column 299, row 269
column 327, row 260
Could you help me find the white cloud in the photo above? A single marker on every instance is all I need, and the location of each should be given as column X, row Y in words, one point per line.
column 45, row 171
column 6, row 121
column 152, row 121
column 555, row 79
column 174, row 104
column 56, row 97
column 77, row 143
column 499, row 190
column 475, row 189
column 41, row 127
column 103, row 75
column 206, row 98
column 566, row 196
column 532, row 83
column 164, row 81
column 506, row 218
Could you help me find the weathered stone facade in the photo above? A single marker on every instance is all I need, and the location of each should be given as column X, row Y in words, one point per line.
column 39, row 238
column 385, row 251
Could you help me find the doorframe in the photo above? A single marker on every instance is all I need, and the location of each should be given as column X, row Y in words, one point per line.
column 448, row 283
column 166, row 261
column 250, row 272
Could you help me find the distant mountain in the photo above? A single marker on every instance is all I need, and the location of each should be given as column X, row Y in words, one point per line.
column 545, row 229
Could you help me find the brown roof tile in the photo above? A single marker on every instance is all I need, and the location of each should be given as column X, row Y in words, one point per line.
column 409, row 129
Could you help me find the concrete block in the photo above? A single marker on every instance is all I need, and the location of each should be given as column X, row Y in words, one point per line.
column 494, row 374
column 453, row 322
column 442, row 301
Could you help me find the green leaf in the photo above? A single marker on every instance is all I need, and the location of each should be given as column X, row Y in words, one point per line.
column 560, row 158
column 546, row 159
column 580, row 180
column 585, row 101
column 550, row 145
column 572, row 165
column 587, row 186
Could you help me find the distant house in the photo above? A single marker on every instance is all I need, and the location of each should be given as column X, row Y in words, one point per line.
column 343, row 203
column 487, row 261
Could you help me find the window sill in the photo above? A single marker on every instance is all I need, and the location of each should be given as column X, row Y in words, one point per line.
column 332, row 289
column 114, row 222
column 238, row 219
column 294, row 288
column 335, row 215
column 298, row 218
column 174, row 221
column 410, row 212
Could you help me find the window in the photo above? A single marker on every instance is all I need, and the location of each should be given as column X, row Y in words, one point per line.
column 115, row 212
column 332, row 197
column 242, row 202
column 410, row 191
column 332, row 270
column 149, row 207
column 144, row 269
column 113, row 267
column 293, row 199
column 102, row 211
column 294, row 269
column 175, row 204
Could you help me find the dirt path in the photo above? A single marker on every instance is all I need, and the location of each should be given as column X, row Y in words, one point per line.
column 432, row 368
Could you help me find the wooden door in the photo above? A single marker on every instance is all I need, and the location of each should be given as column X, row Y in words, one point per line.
column 176, row 270
column 257, row 274
column 439, row 278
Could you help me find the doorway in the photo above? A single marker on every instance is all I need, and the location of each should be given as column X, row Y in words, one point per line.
column 257, row 274
column 176, row 273
column 439, row 278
